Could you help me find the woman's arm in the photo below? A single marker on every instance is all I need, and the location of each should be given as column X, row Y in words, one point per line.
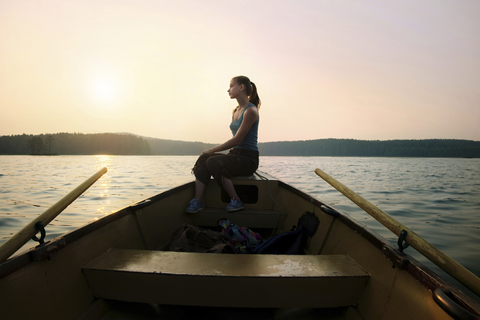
column 249, row 118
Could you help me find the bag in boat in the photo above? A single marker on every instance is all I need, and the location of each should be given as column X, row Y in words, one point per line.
column 244, row 240
column 293, row 241
column 190, row 238
column 310, row 222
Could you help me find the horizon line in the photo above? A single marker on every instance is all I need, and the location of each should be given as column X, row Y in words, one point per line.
column 277, row 141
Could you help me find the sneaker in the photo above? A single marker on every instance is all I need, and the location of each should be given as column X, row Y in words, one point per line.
column 194, row 206
column 235, row 205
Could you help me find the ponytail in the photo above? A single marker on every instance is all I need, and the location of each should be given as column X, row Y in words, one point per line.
column 254, row 98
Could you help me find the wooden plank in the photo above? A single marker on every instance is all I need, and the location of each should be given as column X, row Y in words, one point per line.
column 245, row 218
column 223, row 280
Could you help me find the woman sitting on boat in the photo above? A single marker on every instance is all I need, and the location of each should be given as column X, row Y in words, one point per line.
column 242, row 159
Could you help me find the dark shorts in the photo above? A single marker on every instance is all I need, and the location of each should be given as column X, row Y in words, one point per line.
column 237, row 162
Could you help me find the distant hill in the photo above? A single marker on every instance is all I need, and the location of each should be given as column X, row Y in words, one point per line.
column 74, row 144
column 363, row 148
column 175, row 147
column 130, row 144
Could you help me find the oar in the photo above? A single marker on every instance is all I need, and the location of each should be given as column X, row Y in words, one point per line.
column 21, row 237
column 446, row 263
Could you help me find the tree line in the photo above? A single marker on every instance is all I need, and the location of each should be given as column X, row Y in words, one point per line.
column 363, row 148
column 129, row 144
column 74, row 144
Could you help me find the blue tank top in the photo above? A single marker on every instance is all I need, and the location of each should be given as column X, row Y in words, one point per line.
column 250, row 140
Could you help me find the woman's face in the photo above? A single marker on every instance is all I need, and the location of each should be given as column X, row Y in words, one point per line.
column 234, row 90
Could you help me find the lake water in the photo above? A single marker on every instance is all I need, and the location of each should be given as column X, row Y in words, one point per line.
column 437, row 198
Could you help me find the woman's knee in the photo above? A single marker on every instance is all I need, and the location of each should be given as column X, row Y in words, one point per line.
column 213, row 165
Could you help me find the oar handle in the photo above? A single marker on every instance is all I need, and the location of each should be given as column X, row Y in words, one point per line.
column 21, row 237
column 446, row 263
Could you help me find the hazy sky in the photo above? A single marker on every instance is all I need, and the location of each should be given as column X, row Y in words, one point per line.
column 324, row 69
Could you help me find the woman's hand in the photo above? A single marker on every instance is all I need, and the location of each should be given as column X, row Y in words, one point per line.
column 208, row 151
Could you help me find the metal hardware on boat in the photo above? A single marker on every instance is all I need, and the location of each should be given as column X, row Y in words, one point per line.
column 401, row 241
column 329, row 211
column 140, row 204
column 399, row 259
column 39, row 226
column 441, row 297
column 47, row 249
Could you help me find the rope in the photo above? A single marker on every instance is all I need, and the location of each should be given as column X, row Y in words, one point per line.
column 271, row 197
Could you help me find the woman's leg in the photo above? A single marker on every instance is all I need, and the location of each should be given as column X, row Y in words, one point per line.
column 228, row 186
column 202, row 176
column 223, row 167
column 196, row 203
column 199, row 189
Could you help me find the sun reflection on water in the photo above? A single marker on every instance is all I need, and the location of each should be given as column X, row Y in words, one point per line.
column 104, row 181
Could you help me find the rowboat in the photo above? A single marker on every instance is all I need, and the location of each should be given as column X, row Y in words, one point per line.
column 114, row 268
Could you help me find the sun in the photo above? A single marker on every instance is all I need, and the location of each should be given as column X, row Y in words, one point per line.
column 105, row 89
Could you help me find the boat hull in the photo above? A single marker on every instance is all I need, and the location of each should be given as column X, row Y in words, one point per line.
column 60, row 280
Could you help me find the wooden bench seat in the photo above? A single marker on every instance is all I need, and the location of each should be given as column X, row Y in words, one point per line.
column 226, row 280
column 245, row 218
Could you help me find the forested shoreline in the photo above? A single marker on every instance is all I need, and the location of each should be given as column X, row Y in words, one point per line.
column 366, row 148
column 74, row 144
column 130, row 144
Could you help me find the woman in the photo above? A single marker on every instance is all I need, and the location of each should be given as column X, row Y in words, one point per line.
column 242, row 158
